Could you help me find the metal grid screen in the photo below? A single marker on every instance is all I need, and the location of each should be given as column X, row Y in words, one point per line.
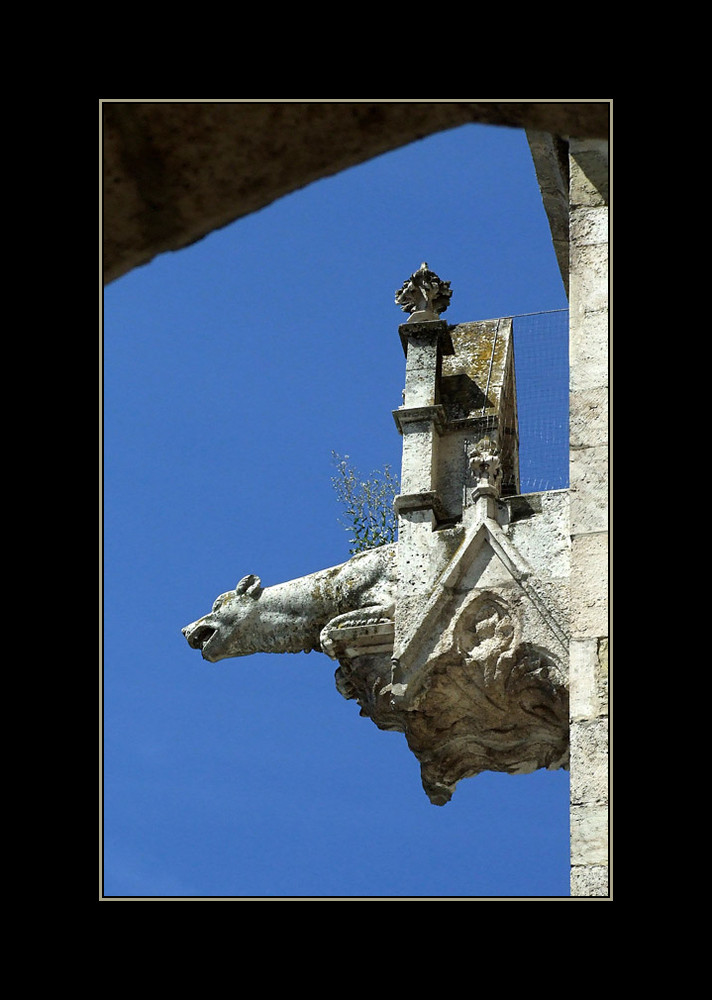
column 541, row 360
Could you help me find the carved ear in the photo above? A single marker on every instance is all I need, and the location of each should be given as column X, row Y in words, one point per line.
column 250, row 585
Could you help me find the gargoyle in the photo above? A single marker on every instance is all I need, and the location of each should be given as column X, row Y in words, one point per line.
column 301, row 615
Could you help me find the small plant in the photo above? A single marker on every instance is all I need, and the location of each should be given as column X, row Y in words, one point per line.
column 370, row 517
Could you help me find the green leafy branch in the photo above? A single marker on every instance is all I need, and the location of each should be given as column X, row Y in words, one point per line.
column 370, row 517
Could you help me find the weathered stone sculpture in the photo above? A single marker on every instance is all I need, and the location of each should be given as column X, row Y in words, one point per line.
column 457, row 634
column 485, row 465
column 299, row 616
column 424, row 295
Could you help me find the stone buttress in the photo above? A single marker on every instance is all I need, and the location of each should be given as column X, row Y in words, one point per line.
column 474, row 667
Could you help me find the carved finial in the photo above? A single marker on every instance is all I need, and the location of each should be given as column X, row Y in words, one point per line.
column 485, row 464
column 424, row 295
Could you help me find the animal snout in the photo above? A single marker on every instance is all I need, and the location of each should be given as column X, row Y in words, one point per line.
column 197, row 634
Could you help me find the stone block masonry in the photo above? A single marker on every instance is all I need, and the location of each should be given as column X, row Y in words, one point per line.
column 589, row 423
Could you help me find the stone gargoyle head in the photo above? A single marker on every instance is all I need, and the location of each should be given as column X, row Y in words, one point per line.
column 233, row 627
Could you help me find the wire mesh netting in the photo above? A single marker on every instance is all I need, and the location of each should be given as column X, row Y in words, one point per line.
column 541, row 360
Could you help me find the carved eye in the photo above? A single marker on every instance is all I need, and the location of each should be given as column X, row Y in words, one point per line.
column 218, row 602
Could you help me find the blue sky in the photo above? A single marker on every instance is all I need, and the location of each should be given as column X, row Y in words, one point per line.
column 232, row 370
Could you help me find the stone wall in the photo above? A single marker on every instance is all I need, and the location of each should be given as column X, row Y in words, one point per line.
column 588, row 344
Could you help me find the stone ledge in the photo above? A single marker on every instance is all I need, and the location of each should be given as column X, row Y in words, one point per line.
column 364, row 640
column 420, row 414
column 429, row 500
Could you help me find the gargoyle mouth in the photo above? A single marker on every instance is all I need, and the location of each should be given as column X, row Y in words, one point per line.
column 200, row 636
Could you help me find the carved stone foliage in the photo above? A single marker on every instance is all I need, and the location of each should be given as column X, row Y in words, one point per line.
column 424, row 294
column 490, row 701
column 485, row 464
column 493, row 702
column 365, row 678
